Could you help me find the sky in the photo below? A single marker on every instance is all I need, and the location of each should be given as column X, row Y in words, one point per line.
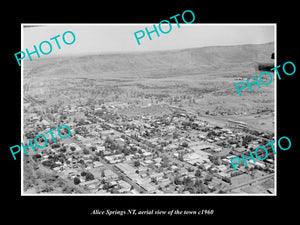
column 110, row 38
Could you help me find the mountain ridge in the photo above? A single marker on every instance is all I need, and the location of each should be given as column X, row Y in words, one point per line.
column 161, row 63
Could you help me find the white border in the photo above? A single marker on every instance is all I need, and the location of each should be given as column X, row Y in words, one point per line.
column 143, row 24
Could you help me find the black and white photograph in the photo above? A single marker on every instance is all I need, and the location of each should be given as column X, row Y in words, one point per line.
column 149, row 112
column 165, row 109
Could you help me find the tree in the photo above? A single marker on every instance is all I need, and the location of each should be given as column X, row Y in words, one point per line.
column 177, row 180
column 100, row 153
column 93, row 148
column 55, row 145
column 198, row 173
column 61, row 160
column 136, row 163
column 190, row 169
column 81, row 161
column 184, row 144
column 89, row 176
column 140, row 151
column 85, row 151
column 72, row 148
column 106, row 186
column 199, row 186
column 76, row 180
column 208, row 178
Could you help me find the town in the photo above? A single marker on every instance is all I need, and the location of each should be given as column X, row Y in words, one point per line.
column 175, row 152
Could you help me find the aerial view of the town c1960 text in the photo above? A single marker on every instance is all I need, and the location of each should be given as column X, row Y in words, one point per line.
column 148, row 122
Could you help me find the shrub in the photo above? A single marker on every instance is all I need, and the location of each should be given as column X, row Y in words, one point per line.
column 89, row 176
column 76, row 180
column 85, row 151
column 55, row 145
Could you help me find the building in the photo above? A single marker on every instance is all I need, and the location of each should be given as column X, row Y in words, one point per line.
column 113, row 134
column 120, row 141
column 200, row 146
column 195, row 158
column 223, row 175
column 91, row 184
column 114, row 158
column 236, row 124
column 222, row 168
column 109, row 175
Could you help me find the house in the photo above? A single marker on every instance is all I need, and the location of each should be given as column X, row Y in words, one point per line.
column 200, row 146
column 45, row 156
column 113, row 134
column 270, row 190
column 86, row 156
column 207, row 166
column 88, row 161
column 100, row 149
column 101, row 192
column 91, row 184
column 120, row 141
column 45, row 123
column 158, row 165
column 222, row 168
column 176, row 154
column 157, row 160
column 173, row 167
column 56, row 169
column 147, row 154
column 157, row 176
column 148, row 161
column 98, row 164
column 260, row 164
column 124, row 190
column 164, row 182
column 112, row 183
column 144, row 175
column 125, row 168
column 143, row 170
column 223, row 175
column 218, row 149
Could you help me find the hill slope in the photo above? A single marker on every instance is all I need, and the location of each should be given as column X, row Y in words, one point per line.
column 160, row 63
